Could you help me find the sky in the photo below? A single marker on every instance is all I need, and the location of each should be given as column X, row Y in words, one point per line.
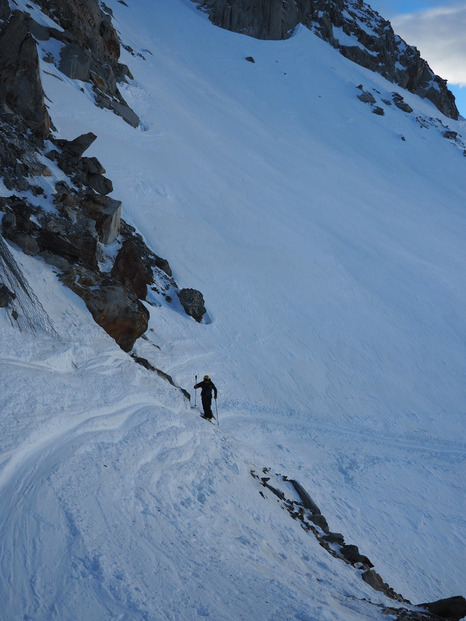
column 436, row 28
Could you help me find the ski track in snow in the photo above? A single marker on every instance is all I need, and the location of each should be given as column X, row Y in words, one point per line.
column 120, row 497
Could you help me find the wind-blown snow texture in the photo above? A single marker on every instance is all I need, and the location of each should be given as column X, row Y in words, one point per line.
column 331, row 256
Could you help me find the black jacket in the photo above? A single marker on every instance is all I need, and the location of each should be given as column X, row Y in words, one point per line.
column 207, row 386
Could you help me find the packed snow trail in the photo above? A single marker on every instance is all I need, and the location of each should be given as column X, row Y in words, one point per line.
column 104, row 512
column 119, row 502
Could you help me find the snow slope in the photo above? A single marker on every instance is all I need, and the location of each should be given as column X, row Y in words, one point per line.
column 330, row 252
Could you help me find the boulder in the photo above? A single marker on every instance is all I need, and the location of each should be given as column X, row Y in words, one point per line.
column 118, row 311
column 83, row 170
column 45, row 33
column 114, row 307
column 193, row 303
column 20, row 84
column 334, row 538
column 351, row 553
column 305, row 499
column 401, row 104
column 320, row 521
column 128, row 269
column 157, row 270
column 451, row 608
column 76, row 147
column 373, row 579
column 106, row 213
column 100, row 184
column 367, row 97
column 91, row 165
column 122, row 109
column 163, row 265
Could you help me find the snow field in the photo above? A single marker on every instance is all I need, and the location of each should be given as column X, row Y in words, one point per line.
column 331, row 256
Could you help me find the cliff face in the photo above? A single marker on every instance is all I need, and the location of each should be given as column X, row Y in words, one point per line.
column 373, row 44
column 71, row 223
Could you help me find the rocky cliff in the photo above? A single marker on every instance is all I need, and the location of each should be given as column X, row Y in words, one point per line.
column 71, row 223
column 351, row 26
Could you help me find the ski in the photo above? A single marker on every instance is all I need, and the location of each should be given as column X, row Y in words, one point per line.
column 210, row 420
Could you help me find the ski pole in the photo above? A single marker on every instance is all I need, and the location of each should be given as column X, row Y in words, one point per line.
column 216, row 412
column 195, row 391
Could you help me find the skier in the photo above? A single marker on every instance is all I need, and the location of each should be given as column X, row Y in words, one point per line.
column 207, row 386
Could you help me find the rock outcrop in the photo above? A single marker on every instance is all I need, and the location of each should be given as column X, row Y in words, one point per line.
column 453, row 608
column 72, row 233
column 193, row 303
column 80, row 220
column 90, row 51
column 298, row 503
column 70, row 240
column 20, row 84
column 112, row 305
column 129, row 270
column 376, row 46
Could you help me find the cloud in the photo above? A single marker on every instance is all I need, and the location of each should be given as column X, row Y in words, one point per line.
column 439, row 34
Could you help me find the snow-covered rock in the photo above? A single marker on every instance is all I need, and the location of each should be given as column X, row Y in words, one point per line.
column 351, row 26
